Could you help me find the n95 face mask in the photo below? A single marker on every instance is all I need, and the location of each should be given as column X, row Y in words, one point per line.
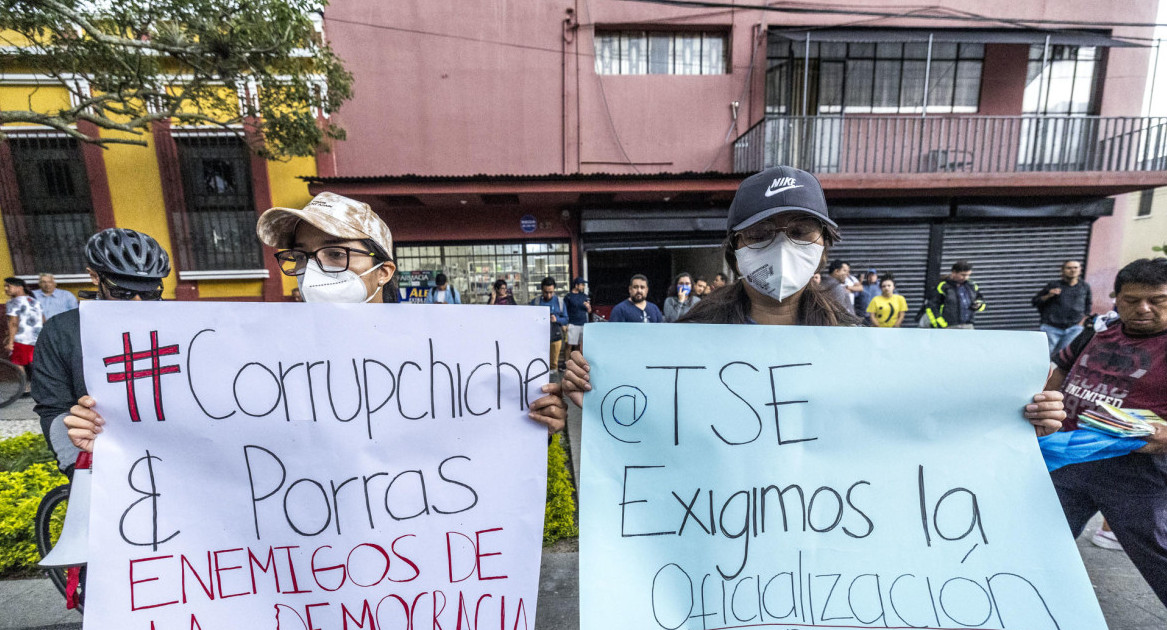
column 341, row 287
column 780, row 269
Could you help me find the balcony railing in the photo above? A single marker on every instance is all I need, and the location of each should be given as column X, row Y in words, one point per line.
column 958, row 144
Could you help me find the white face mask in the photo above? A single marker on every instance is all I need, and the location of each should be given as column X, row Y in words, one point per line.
column 780, row 269
column 341, row 287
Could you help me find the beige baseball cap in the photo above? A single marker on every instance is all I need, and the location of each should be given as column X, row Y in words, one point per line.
column 329, row 212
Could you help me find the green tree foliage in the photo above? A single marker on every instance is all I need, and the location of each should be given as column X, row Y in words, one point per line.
column 129, row 63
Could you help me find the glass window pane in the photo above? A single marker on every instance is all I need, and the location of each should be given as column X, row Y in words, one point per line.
column 633, row 56
column 887, row 50
column 660, row 53
column 1033, row 88
column 887, row 86
column 968, row 86
column 713, row 54
column 941, row 82
column 830, row 87
column 833, row 50
column 1083, row 87
column 916, row 50
column 687, row 59
column 972, row 51
column 607, row 53
column 943, row 50
column 861, row 50
column 912, row 86
column 1060, row 87
column 859, row 85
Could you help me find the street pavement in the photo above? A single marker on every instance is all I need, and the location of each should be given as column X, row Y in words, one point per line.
column 1125, row 598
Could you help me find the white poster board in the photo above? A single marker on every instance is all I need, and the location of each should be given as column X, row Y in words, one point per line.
column 318, row 466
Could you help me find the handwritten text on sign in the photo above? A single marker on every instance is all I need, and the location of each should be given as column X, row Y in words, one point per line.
column 309, row 466
column 792, row 477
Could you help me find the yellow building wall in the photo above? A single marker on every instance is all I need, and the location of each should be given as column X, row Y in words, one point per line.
column 34, row 98
column 135, row 185
column 1140, row 234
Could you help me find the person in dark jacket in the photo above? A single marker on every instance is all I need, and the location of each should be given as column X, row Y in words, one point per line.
column 956, row 300
column 1064, row 304
column 123, row 265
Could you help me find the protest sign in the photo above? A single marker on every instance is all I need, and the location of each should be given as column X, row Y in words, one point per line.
column 318, row 466
column 797, row 477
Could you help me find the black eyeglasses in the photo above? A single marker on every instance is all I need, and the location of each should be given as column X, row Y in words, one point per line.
column 801, row 231
column 121, row 293
column 333, row 259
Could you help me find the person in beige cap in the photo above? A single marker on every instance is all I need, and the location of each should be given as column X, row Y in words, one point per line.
column 340, row 251
column 337, row 248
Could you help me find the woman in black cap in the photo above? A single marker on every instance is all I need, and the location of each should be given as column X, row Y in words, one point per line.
column 778, row 235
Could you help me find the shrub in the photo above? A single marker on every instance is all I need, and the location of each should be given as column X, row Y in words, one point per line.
column 559, row 517
column 18, row 453
column 20, row 494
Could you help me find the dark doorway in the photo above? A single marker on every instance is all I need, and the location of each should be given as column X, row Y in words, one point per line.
column 610, row 270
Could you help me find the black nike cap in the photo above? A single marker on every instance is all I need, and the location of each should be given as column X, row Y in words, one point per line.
column 774, row 191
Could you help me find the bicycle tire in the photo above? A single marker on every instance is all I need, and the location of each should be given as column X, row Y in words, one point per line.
column 46, row 514
column 13, row 380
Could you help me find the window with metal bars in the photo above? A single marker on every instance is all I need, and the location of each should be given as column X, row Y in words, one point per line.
column 220, row 208
column 875, row 78
column 56, row 215
column 473, row 268
column 661, row 52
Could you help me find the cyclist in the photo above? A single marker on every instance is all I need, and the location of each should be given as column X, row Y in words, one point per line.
column 123, row 265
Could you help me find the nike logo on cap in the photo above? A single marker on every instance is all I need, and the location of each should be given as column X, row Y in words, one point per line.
column 780, row 185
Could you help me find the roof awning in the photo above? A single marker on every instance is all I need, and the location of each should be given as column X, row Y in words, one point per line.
column 963, row 36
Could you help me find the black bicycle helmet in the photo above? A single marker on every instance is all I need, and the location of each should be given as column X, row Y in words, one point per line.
column 133, row 258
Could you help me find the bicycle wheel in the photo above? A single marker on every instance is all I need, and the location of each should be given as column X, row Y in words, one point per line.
column 12, row 382
column 50, row 519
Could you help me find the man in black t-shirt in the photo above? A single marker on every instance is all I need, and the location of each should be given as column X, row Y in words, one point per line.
column 1124, row 365
column 579, row 305
column 1064, row 304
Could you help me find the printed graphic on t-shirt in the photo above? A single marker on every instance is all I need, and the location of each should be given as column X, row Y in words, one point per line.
column 1118, row 371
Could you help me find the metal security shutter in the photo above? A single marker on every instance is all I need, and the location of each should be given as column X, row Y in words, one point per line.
column 900, row 248
column 1011, row 262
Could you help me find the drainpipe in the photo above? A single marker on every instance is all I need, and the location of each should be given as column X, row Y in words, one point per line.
column 927, row 78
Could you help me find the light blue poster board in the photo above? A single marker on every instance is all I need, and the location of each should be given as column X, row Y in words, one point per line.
column 795, row 477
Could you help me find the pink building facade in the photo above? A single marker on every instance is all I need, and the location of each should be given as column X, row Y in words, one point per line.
column 516, row 139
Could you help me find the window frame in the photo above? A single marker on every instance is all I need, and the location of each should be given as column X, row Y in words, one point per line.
column 623, row 64
column 35, row 207
column 529, row 278
column 203, row 259
column 1093, row 103
column 849, row 58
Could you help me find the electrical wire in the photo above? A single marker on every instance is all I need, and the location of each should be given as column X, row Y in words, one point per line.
column 824, row 10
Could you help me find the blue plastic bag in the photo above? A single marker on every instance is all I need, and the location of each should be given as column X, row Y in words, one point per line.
column 1084, row 445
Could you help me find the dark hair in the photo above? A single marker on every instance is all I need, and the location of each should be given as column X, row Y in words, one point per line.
column 887, row 276
column 638, row 276
column 441, row 279
column 547, row 282
column 961, row 266
column 17, row 282
column 731, row 305
column 673, row 289
column 836, row 265
column 721, row 276
column 1149, row 271
column 700, row 279
column 500, row 283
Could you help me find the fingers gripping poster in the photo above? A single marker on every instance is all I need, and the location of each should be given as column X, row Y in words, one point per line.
column 312, row 466
column 798, row 477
